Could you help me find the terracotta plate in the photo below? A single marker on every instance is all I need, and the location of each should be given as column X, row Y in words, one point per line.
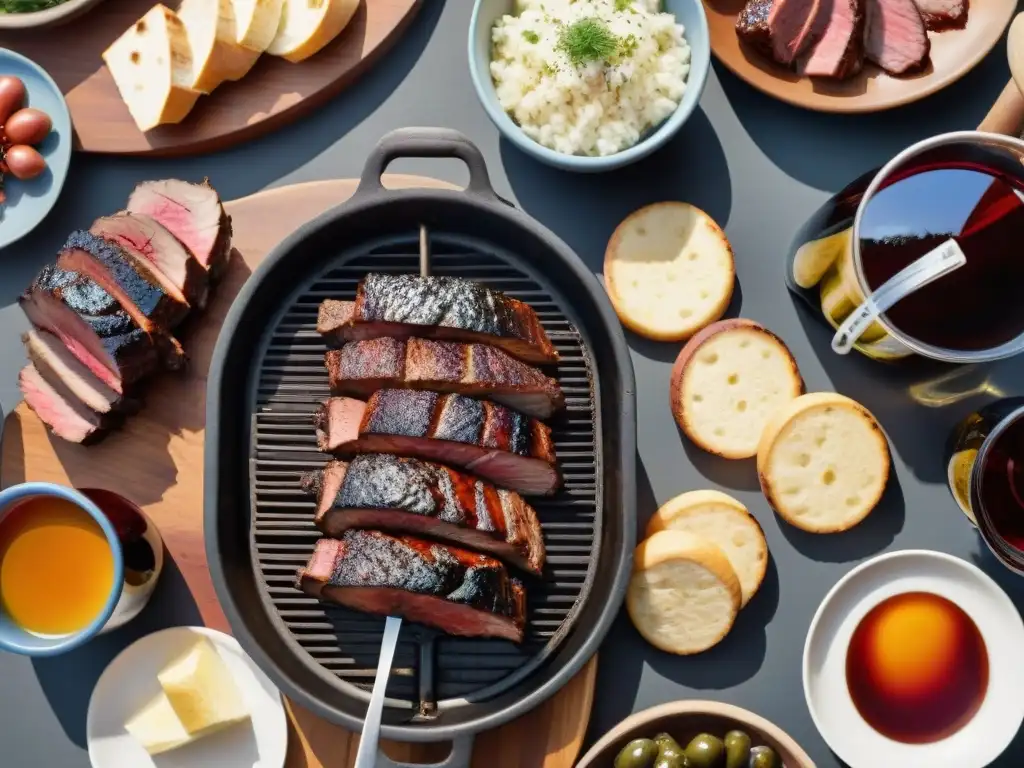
column 954, row 54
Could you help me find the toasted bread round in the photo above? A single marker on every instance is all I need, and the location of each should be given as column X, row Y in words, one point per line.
column 727, row 381
column 669, row 271
column 684, row 595
column 725, row 522
column 823, row 462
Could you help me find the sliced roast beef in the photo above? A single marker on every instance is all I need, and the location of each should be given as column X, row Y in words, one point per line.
column 55, row 363
column 795, row 26
column 440, row 585
column 752, row 26
column 192, row 213
column 389, row 493
column 445, row 308
column 92, row 325
column 66, row 417
column 895, row 38
column 943, row 14
column 489, row 440
column 360, row 368
column 183, row 277
column 840, row 51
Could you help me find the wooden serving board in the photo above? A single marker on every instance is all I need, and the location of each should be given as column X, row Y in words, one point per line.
column 274, row 92
column 156, row 460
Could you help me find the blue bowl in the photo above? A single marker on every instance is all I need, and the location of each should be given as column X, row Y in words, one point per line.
column 17, row 640
column 689, row 13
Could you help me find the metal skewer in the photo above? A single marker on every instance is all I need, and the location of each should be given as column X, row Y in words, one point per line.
column 369, row 741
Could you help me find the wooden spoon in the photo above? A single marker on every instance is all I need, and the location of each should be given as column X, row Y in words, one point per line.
column 1007, row 114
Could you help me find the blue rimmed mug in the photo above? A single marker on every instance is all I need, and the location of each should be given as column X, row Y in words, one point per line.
column 137, row 551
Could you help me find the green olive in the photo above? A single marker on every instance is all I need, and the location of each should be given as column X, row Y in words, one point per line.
column 639, row 753
column 668, row 747
column 706, row 751
column 672, row 762
column 764, row 757
column 737, row 749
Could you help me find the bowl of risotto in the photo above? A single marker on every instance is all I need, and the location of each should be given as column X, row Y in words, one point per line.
column 589, row 85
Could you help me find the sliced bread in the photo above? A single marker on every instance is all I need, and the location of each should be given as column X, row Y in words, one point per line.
column 725, row 522
column 308, row 25
column 727, row 381
column 669, row 271
column 823, row 462
column 683, row 596
column 212, row 34
column 151, row 64
column 257, row 22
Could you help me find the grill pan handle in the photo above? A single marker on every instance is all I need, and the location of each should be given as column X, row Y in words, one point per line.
column 459, row 757
column 425, row 142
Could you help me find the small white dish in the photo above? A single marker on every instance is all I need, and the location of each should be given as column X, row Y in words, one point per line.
column 995, row 724
column 130, row 682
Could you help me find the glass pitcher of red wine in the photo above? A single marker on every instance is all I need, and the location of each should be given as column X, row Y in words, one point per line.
column 966, row 187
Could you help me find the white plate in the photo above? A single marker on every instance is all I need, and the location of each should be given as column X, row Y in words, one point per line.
column 995, row 724
column 130, row 682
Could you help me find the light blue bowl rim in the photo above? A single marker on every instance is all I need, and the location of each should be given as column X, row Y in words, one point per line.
column 484, row 87
column 59, row 645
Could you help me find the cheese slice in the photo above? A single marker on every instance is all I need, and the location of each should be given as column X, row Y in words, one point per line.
column 202, row 692
column 212, row 35
column 157, row 727
column 151, row 64
column 308, row 25
column 256, row 22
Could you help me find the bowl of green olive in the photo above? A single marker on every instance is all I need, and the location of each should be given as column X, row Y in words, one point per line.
column 696, row 734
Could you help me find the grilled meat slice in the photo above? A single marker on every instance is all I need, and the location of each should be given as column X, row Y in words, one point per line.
column 442, row 586
column 92, row 325
column 752, row 26
column 192, row 213
column 55, row 363
column 896, row 39
column 445, row 308
column 426, row 499
column 795, row 26
column 360, row 368
column 65, row 416
column 940, row 15
column 840, row 52
column 489, row 440
column 142, row 236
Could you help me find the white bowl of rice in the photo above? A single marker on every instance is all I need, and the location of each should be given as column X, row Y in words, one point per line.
column 589, row 85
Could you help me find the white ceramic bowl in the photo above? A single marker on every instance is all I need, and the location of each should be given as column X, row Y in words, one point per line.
column 999, row 718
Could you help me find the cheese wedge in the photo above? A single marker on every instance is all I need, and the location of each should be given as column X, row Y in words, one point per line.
column 157, row 728
column 151, row 64
column 256, row 22
column 202, row 692
column 212, row 34
column 308, row 25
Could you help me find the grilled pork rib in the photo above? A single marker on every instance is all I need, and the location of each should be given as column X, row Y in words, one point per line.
column 445, row 308
column 62, row 413
column 360, row 368
column 426, row 499
column 489, row 440
column 452, row 589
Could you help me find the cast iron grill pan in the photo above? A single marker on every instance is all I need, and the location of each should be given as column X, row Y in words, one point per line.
column 267, row 377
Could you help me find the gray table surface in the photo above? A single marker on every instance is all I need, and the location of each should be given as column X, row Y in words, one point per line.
column 759, row 167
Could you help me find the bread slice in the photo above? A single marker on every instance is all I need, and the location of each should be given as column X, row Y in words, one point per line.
column 823, row 462
column 725, row 522
column 683, row 596
column 308, row 25
column 257, row 22
column 151, row 64
column 669, row 271
column 212, row 34
column 727, row 381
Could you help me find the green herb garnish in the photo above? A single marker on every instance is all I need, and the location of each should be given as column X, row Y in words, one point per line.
column 26, row 6
column 621, row 5
column 530, row 36
column 587, row 40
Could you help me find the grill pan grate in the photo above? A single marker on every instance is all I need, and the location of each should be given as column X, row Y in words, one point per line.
column 431, row 671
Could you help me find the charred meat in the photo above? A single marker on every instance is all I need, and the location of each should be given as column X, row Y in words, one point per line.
column 360, row 368
column 65, row 416
column 55, row 363
column 752, row 26
column 389, row 493
column 489, row 440
column 444, row 308
column 442, row 586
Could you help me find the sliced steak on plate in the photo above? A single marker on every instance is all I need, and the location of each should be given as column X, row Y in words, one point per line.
column 63, row 414
column 401, row 495
column 752, row 26
column 440, row 585
column 943, row 14
column 795, row 26
column 840, row 51
column 55, row 362
column 360, row 368
column 489, row 440
column 896, row 39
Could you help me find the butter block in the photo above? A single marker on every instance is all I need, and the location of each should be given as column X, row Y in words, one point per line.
column 157, row 727
column 201, row 690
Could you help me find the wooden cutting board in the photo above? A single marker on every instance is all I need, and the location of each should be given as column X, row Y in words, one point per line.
column 273, row 93
column 156, row 460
